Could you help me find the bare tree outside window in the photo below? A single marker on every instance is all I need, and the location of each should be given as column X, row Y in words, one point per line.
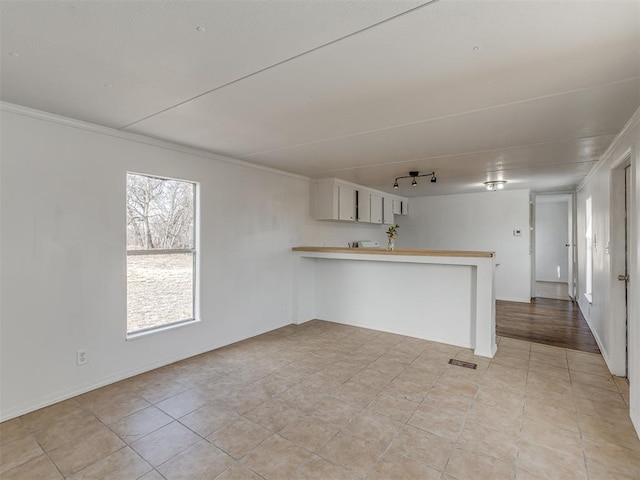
column 160, row 252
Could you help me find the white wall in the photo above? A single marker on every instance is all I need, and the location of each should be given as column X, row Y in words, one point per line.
column 552, row 235
column 62, row 232
column 478, row 221
column 606, row 314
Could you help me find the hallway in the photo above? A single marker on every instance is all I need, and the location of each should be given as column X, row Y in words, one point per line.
column 551, row 322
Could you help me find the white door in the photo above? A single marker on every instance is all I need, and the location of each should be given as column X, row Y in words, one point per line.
column 387, row 211
column 346, row 203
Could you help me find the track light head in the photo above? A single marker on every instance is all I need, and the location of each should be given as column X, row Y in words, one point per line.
column 433, row 177
column 414, row 183
column 395, row 184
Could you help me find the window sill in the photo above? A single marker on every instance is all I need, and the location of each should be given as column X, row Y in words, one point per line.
column 589, row 297
column 164, row 328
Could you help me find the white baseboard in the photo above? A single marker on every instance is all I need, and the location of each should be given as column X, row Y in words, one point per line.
column 635, row 419
column 73, row 392
column 515, row 299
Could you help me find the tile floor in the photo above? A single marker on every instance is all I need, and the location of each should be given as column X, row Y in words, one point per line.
column 325, row 401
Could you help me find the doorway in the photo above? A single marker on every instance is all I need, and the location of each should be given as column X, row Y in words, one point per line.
column 619, row 250
column 553, row 238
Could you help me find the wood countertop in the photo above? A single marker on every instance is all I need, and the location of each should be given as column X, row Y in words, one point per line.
column 409, row 252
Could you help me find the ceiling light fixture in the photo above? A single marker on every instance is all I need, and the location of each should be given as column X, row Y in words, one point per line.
column 201, row 29
column 413, row 175
column 495, row 185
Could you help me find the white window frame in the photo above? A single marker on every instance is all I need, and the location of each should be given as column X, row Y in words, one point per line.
column 196, row 271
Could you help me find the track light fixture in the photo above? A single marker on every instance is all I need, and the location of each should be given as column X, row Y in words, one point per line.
column 495, row 185
column 413, row 175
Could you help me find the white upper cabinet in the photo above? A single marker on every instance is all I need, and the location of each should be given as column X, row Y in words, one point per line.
column 404, row 207
column 397, row 206
column 364, row 206
column 375, row 208
column 343, row 201
column 387, row 210
column 346, row 203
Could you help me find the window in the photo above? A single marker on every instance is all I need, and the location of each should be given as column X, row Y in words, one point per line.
column 161, row 253
column 589, row 241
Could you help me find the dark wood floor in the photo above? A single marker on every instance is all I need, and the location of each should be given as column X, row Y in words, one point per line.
column 552, row 322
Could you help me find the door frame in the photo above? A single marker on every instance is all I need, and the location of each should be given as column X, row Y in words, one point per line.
column 618, row 309
column 572, row 267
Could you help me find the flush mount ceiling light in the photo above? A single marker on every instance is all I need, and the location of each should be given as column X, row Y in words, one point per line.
column 413, row 176
column 495, row 185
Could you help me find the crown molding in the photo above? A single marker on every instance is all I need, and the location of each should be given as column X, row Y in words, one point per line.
column 137, row 138
column 630, row 125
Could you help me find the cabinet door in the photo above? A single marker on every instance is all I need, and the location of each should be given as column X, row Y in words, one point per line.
column 387, row 211
column 364, row 206
column 397, row 206
column 376, row 208
column 404, row 207
column 346, row 203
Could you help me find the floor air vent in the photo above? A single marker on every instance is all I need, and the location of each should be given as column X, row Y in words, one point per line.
column 460, row 363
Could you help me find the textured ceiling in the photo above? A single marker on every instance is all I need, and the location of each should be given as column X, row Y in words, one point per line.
column 531, row 92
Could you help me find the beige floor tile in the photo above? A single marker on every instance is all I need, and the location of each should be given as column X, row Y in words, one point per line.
column 82, row 452
column 599, row 381
column 201, row 461
column 374, row 426
column 18, row 452
column 72, row 427
column 480, row 438
column 507, row 421
column 139, row 424
column 12, row 430
column 464, row 465
column 551, row 436
column 532, row 412
column 317, row 468
column 598, row 395
column 543, row 371
column 548, row 463
column 397, row 408
column 239, row 437
column 392, row 466
column 40, row 468
column 335, row 411
column 120, row 406
column 273, row 385
column 160, row 390
column 159, row 446
column 407, row 390
column 210, row 418
column 538, row 410
column 586, row 367
column 615, row 459
column 442, row 423
column 183, row 403
column 356, row 393
column 152, row 475
column 422, row 446
column 276, row 458
column 353, row 453
column 549, row 350
column 274, row 415
column 125, row 463
column 309, row 433
column 509, row 400
column 620, row 434
column 238, row 472
column 46, row 416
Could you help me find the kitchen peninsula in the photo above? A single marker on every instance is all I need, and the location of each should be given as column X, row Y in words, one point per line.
column 440, row 295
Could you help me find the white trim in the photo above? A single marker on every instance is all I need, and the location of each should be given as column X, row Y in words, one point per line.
column 137, row 138
column 604, row 353
column 635, row 118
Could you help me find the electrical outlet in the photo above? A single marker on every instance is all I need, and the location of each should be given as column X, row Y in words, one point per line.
column 82, row 357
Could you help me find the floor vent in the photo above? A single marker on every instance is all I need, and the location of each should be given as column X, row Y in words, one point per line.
column 460, row 363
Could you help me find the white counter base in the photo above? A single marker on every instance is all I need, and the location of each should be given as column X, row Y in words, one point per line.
column 443, row 299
